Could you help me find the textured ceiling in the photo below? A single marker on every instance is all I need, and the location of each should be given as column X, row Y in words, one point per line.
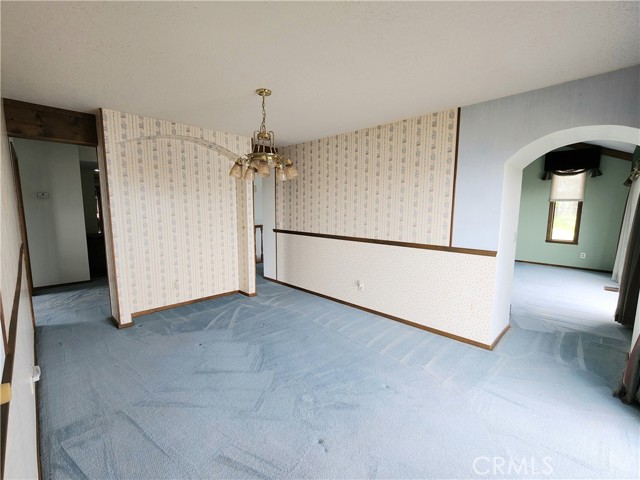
column 333, row 67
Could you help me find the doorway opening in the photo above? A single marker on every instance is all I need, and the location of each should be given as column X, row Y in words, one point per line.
column 573, row 219
column 258, row 221
column 561, row 305
column 60, row 193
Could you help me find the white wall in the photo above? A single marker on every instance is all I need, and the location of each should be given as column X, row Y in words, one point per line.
column 269, row 222
column 55, row 226
column 492, row 132
column 22, row 453
column 427, row 287
column 21, row 459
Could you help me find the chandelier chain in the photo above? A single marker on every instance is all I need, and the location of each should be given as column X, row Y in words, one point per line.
column 263, row 126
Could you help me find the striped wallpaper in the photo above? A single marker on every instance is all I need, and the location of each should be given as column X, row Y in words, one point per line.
column 182, row 228
column 390, row 182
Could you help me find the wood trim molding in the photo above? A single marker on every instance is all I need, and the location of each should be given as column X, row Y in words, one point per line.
column 182, row 304
column 38, row 290
column 36, row 390
column 499, row 337
column 247, row 294
column 275, row 219
column 423, row 246
column 119, row 325
column 7, row 371
column 39, row 122
column 17, row 185
column 5, row 341
column 101, row 152
column 550, row 220
column 455, row 178
column 609, row 152
column 393, row 317
column 564, row 266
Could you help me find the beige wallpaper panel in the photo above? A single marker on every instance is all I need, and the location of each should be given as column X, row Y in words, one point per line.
column 390, row 182
column 174, row 212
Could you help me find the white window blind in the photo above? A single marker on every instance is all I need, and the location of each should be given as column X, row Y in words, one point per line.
column 568, row 187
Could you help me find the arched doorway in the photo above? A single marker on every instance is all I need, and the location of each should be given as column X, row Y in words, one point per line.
column 510, row 204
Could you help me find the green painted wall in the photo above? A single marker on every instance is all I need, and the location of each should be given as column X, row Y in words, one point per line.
column 604, row 202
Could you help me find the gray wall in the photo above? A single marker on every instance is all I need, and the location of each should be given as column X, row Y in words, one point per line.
column 491, row 132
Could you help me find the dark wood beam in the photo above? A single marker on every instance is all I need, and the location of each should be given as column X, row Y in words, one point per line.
column 609, row 152
column 39, row 122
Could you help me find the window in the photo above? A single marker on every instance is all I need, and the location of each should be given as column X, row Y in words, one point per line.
column 565, row 208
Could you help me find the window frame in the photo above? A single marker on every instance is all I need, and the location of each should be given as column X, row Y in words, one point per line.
column 576, row 230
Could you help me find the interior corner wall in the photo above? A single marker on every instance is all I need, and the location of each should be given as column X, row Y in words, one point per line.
column 174, row 213
column 374, row 187
column 492, row 132
column 601, row 219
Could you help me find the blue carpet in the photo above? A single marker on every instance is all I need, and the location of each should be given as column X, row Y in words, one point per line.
column 289, row 385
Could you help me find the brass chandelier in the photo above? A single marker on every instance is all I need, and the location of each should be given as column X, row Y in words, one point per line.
column 264, row 154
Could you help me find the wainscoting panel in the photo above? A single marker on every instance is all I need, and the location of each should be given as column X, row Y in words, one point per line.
column 390, row 182
column 446, row 291
column 176, row 215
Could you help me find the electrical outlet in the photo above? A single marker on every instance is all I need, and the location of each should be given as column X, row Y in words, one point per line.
column 360, row 285
column 583, row 255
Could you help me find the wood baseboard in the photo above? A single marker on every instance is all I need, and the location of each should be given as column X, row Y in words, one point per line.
column 394, row 318
column 563, row 266
column 182, row 304
column 43, row 289
column 499, row 337
column 119, row 325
